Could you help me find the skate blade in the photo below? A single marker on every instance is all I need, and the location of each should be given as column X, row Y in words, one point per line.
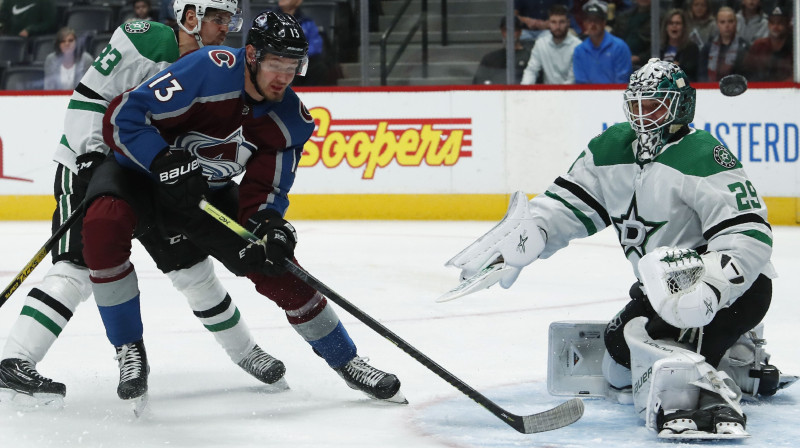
column 278, row 386
column 37, row 402
column 139, row 405
column 398, row 398
column 700, row 435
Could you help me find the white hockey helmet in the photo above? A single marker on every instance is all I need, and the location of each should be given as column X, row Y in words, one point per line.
column 200, row 7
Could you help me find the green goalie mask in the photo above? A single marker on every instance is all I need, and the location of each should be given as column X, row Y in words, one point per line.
column 658, row 102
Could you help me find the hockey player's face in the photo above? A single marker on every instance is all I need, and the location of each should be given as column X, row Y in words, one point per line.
column 275, row 73
column 215, row 27
column 650, row 112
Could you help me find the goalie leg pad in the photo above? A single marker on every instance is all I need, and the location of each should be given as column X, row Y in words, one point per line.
column 644, row 352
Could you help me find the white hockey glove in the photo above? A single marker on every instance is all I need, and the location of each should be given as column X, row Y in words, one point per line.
column 687, row 289
column 516, row 241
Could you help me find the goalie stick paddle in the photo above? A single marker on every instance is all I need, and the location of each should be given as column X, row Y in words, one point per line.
column 42, row 253
column 562, row 415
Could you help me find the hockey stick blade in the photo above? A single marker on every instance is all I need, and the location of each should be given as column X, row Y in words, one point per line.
column 558, row 417
column 41, row 254
column 483, row 279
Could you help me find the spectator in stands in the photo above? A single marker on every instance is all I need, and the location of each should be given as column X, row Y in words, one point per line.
column 533, row 14
column 751, row 21
column 611, row 8
column 772, row 58
column 676, row 47
column 26, row 18
column 552, row 54
column 492, row 69
column 633, row 27
column 64, row 67
column 701, row 23
column 321, row 65
column 141, row 11
column 724, row 54
column 602, row 58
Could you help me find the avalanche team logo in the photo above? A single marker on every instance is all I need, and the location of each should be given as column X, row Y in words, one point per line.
column 221, row 159
column 137, row 27
column 724, row 157
column 222, row 57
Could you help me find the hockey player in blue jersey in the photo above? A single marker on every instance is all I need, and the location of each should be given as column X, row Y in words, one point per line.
column 185, row 134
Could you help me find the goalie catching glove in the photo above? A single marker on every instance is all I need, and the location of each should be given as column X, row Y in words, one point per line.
column 516, row 241
column 279, row 240
column 687, row 289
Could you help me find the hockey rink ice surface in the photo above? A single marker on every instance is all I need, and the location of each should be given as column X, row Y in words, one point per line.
column 494, row 340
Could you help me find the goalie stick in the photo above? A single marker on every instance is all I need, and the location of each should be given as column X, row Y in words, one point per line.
column 41, row 254
column 562, row 415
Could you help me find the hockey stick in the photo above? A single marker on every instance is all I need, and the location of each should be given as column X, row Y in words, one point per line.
column 558, row 417
column 42, row 253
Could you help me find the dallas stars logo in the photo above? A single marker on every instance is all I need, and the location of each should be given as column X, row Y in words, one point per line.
column 521, row 245
column 634, row 231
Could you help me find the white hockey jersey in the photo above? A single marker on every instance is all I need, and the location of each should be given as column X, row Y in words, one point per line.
column 695, row 195
column 136, row 51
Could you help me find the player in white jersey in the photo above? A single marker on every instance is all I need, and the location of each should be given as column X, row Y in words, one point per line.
column 696, row 234
column 136, row 51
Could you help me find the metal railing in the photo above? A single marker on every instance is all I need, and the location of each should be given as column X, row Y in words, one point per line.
column 421, row 22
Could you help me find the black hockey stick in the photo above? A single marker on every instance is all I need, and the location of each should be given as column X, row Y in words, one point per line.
column 42, row 253
column 558, row 417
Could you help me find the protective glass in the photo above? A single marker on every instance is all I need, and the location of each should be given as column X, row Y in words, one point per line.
column 650, row 110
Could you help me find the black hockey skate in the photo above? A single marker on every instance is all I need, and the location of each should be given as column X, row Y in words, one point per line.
column 133, row 371
column 264, row 367
column 713, row 422
column 373, row 382
column 21, row 386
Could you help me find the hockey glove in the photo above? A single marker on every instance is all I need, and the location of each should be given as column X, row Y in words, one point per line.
column 278, row 236
column 87, row 163
column 181, row 184
column 516, row 241
column 687, row 289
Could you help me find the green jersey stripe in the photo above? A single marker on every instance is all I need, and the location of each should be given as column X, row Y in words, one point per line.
column 585, row 220
column 222, row 326
column 42, row 319
column 83, row 105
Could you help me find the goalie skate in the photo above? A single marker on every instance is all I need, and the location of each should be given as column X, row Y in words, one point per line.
column 23, row 388
column 715, row 423
column 374, row 383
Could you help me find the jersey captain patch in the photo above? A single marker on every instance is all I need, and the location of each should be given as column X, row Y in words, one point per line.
column 222, row 57
column 724, row 157
column 137, row 27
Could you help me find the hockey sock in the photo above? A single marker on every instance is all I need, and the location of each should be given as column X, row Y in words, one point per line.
column 328, row 337
column 47, row 311
column 214, row 307
column 123, row 322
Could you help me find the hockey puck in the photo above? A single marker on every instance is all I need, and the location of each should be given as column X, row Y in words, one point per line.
column 733, row 85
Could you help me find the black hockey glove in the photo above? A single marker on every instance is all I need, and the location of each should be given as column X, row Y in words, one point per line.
column 87, row 163
column 180, row 179
column 279, row 239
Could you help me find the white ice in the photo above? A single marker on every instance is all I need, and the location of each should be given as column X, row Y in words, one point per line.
column 494, row 340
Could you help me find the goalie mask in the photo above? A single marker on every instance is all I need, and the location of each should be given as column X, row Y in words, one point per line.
column 658, row 102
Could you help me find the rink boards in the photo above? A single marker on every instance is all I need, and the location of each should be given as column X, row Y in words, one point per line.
column 434, row 153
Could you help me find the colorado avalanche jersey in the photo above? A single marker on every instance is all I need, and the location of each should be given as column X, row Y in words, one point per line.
column 136, row 51
column 694, row 195
column 199, row 105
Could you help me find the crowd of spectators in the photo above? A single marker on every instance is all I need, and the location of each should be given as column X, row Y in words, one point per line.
column 31, row 22
column 603, row 43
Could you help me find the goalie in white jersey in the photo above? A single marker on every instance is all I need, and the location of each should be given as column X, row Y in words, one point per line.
column 136, row 51
column 696, row 234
